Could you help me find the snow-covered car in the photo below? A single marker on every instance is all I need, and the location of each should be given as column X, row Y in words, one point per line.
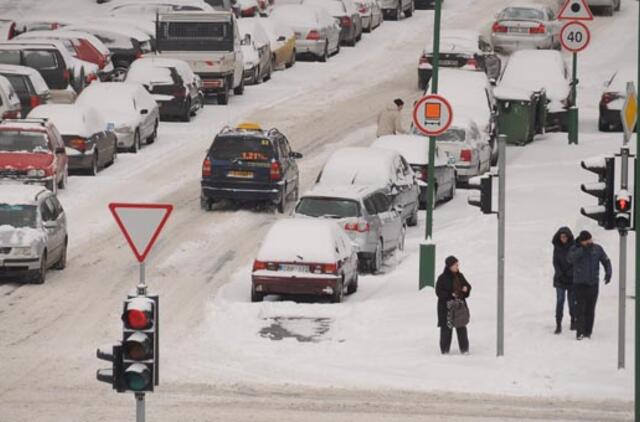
column 534, row 70
column 347, row 17
column 7, row 29
column 376, row 167
column 301, row 256
column 33, row 232
column 128, row 109
column 524, row 26
column 283, row 42
column 415, row 149
column 460, row 49
column 149, row 8
column 253, row 8
column 612, row 99
column 607, row 6
column 255, row 37
column 31, row 89
column 317, row 33
column 393, row 9
column 365, row 214
column 89, row 145
column 32, row 151
column 40, row 23
column 173, row 85
column 468, row 146
column 426, row 4
column 10, row 107
column 370, row 13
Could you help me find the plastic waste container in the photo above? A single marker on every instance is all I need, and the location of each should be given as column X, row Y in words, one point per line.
column 520, row 114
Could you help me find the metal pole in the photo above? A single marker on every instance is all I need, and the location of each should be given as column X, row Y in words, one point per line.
column 574, row 79
column 140, row 413
column 142, row 286
column 502, row 173
column 432, row 140
column 637, row 255
column 622, row 288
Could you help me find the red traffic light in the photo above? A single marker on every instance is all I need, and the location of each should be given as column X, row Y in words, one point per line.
column 137, row 319
column 138, row 314
column 623, row 204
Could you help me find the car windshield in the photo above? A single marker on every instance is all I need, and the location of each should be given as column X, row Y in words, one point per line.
column 18, row 215
column 247, row 148
column 328, row 207
column 195, row 36
column 17, row 141
column 522, row 13
column 453, row 134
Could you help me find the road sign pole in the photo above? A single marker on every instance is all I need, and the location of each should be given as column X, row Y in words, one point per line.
column 502, row 169
column 637, row 257
column 140, row 408
column 573, row 112
column 142, row 286
column 622, row 287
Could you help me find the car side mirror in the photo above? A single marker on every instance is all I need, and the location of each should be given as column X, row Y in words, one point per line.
column 281, row 38
column 60, row 150
column 295, row 155
column 493, row 81
column 144, row 111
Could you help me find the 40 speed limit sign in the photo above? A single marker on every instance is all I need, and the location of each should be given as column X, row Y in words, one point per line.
column 575, row 36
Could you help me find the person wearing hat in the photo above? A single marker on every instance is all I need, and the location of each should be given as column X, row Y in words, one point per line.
column 451, row 285
column 586, row 258
column 563, row 276
column 390, row 119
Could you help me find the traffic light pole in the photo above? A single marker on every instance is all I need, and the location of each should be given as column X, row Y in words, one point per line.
column 573, row 111
column 637, row 260
column 502, row 168
column 622, row 288
column 142, row 291
column 140, row 411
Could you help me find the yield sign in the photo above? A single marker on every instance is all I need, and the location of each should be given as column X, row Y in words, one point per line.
column 576, row 10
column 629, row 112
column 141, row 224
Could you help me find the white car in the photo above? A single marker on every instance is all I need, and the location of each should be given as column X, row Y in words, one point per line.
column 254, row 36
column 523, row 26
column 128, row 109
column 607, row 6
column 10, row 107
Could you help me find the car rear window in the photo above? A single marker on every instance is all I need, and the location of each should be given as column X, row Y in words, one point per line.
column 10, row 57
column 14, row 141
column 19, row 83
column 328, row 207
column 195, row 36
column 39, row 59
column 246, row 148
column 454, row 134
column 18, row 215
column 522, row 13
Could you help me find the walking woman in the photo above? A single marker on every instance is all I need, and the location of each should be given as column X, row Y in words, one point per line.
column 563, row 277
column 451, row 285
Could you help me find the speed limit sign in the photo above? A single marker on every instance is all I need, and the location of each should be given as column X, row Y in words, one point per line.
column 575, row 36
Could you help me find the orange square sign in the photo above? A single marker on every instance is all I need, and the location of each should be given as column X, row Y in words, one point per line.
column 432, row 111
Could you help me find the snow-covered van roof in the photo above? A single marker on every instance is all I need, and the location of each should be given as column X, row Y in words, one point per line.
column 19, row 194
column 359, row 166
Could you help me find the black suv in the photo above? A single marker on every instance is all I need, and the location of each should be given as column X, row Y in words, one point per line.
column 247, row 164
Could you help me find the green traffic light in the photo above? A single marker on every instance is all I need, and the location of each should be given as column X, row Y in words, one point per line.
column 136, row 382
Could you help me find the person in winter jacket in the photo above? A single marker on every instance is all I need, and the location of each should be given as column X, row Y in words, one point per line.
column 451, row 285
column 390, row 119
column 586, row 258
column 563, row 276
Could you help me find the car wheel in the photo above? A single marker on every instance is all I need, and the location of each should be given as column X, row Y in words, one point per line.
column 338, row 293
column 271, row 66
column 205, row 203
column 282, row 202
column 154, row 135
column 608, row 11
column 255, row 296
column 62, row 184
column 413, row 220
column 617, row 8
column 353, row 286
column 239, row 90
column 62, row 262
column 114, row 156
column 292, row 61
column 409, row 13
column 136, row 143
column 403, row 236
column 376, row 260
column 325, row 54
column 223, row 97
column 41, row 275
column 93, row 170
column 186, row 116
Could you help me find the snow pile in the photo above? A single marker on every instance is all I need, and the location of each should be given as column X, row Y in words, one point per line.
column 359, row 166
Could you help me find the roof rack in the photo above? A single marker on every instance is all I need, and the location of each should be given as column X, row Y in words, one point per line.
column 42, row 121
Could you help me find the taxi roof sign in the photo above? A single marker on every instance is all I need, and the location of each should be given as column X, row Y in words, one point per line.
column 629, row 112
column 249, row 126
column 576, row 10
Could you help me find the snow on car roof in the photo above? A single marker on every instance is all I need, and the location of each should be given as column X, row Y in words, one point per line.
column 19, row 194
column 253, row 27
column 22, row 125
column 355, row 192
column 466, row 92
column 534, row 70
column 456, row 40
column 69, row 119
column 297, row 14
column 149, row 73
column 288, row 240
column 359, row 166
column 414, row 148
column 38, row 82
column 122, row 29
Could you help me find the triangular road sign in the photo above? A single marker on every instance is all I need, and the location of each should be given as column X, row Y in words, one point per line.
column 141, row 224
column 576, row 10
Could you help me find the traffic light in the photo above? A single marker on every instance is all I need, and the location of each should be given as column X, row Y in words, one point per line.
column 111, row 375
column 603, row 190
column 623, row 204
column 140, row 363
column 483, row 200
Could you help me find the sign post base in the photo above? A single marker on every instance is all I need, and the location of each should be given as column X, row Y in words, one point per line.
column 427, row 265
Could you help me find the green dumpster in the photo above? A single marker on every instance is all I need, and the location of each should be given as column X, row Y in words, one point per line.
column 519, row 114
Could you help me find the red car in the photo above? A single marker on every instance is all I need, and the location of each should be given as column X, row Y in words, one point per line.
column 32, row 151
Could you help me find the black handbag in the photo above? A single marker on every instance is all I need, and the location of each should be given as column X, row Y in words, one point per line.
column 457, row 313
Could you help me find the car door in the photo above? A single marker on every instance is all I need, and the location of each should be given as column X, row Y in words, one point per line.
column 388, row 217
column 50, row 216
column 373, row 219
column 483, row 147
column 57, row 147
column 61, row 219
column 291, row 173
column 408, row 188
column 148, row 118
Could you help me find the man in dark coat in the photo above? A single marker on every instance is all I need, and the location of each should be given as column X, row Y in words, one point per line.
column 451, row 285
column 563, row 276
column 586, row 258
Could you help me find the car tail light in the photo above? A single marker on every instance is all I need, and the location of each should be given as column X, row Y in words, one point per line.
column 275, row 173
column 34, row 101
column 55, row 25
column 79, row 144
column 12, row 30
column 102, row 61
column 472, row 62
column 259, row 265
column 357, row 226
column 250, row 12
column 91, row 77
column 540, row 29
column 65, row 75
column 313, row 35
column 465, row 155
column 262, row 4
column 138, row 54
column 206, row 168
column 11, row 114
column 607, row 97
column 498, row 28
column 330, row 268
column 423, row 173
column 345, row 22
column 363, row 9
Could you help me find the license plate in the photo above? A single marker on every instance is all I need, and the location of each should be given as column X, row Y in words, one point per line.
column 241, row 174
column 294, row 268
column 212, row 83
column 449, row 62
column 519, row 30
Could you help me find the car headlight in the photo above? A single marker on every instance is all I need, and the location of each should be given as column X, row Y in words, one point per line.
column 22, row 251
column 36, row 173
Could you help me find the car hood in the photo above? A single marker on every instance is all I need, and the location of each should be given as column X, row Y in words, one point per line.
column 25, row 160
column 20, row 236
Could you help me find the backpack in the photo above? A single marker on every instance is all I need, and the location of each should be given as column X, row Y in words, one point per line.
column 457, row 313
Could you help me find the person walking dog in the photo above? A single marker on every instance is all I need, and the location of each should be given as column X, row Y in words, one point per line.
column 586, row 258
column 563, row 277
column 452, row 290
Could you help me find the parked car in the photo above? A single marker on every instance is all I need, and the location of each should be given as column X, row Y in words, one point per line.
column 468, row 146
column 375, row 167
column 128, row 108
column 10, row 107
column 347, row 16
column 305, row 257
column 7, row 29
column 248, row 164
column 283, row 42
column 32, row 151
column 173, row 85
column 460, row 49
column 393, row 9
column 33, row 232
column 90, row 147
column 252, row 8
column 415, row 149
column 526, row 26
column 40, row 23
column 370, row 13
column 535, row 70
column 606, row 6
column 426, row 4
column 253, row 34
column 28, row 84
column 317, row 33
column 366, row 215
column 250, row 62
column 612, row 99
